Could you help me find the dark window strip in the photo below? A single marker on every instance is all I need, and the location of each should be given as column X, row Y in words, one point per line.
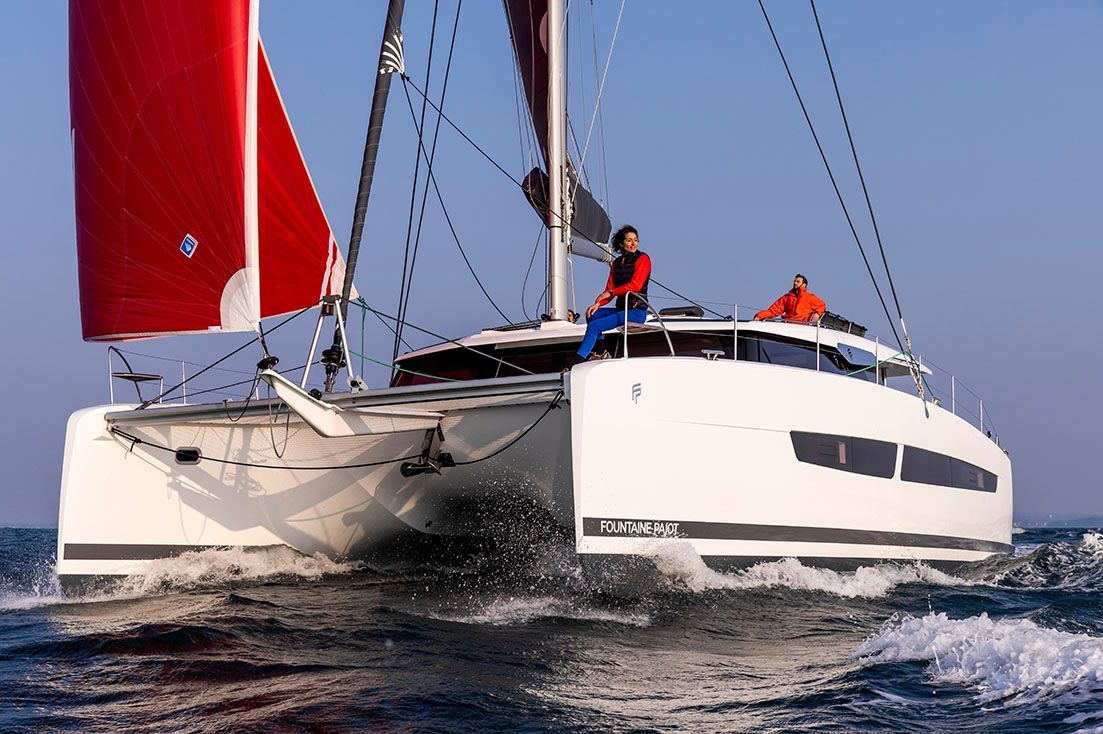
column 928, row 467
column 846, row 453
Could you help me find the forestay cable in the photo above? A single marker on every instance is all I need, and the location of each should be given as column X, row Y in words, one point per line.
column 831, row 175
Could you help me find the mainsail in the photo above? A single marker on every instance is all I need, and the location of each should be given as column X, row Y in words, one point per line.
column 528, row 28
column 194, row 208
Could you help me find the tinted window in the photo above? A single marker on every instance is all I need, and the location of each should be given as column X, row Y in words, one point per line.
column 686, row 344
column 772, row 351
column 928, row 467
column 847, row 453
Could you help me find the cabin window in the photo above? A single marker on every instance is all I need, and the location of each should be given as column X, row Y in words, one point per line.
column 756, row 348
column 846, row 453
column 654, row 344
column 928, row 467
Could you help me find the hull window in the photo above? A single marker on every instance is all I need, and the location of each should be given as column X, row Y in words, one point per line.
column 846, row 453
column 928, row 467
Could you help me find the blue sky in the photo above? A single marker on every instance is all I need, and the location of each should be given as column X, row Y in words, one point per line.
column 978, row 125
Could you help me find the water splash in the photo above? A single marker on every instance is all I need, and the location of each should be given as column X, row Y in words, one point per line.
column 38, row 588
column 682, row 565
column 217, row 567
column 198, row 569
column 1015, row 660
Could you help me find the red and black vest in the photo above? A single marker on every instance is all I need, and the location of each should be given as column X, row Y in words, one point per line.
column 624, row 267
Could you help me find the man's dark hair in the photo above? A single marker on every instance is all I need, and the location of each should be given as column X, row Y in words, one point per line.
column 618, row 237
column 798, row 275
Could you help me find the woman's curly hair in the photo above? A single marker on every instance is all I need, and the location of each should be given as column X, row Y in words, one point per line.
column 618, row 237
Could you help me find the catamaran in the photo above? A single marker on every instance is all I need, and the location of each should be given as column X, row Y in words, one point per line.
column 196, row 213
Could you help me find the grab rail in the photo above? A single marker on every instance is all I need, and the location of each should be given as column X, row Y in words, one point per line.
column 658, row 318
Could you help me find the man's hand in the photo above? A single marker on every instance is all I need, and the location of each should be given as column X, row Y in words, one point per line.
column 590, row 311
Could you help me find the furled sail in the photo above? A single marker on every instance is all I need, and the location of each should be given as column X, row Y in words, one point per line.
column 528, row 28
column 194, row 208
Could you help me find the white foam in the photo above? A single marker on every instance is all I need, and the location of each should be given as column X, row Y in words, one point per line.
column 206, row 568
column 1017, row 531
column 522, row 610
column 683, row 565
column 1000, row 659
column 214, row 567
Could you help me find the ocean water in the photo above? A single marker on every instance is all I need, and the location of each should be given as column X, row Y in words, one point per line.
column 272, row 641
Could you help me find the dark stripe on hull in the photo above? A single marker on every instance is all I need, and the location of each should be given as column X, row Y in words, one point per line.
column 136, row 552
column 622, row 528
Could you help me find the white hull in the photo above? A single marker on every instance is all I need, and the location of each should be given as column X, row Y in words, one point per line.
column 642, row 452
column 702, row 450
column 123, row 506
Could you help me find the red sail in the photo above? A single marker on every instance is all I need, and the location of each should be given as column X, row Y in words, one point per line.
column 299, row 258
column 171, row 102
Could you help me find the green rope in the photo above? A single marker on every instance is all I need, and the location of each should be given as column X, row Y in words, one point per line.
column 875, row 364
column 403, row 369
column 363, row 317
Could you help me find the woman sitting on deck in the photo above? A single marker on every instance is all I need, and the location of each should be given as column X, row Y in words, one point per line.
column 629, row 275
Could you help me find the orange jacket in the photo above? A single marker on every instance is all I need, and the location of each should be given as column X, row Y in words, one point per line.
column 797, row 307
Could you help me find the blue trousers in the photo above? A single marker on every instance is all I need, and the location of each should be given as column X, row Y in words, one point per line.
column 605, row 319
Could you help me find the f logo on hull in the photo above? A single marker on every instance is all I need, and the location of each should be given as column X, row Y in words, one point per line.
column 637, row 390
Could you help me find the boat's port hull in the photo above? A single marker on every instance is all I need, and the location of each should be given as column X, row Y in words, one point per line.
column 124, row 504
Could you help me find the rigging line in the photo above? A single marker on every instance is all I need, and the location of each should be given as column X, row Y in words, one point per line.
column 222, row 388
column 687, row 298
column 464, row 135
column 429, row 171
column 135, row 441
column 389, row 327
column 444, row 338
column 601, row 112
column 417, row 169
column 222, row 359
column 486, row 155
column 583, row 175
column 551, row 406
column 455, row 236
column 524, row 284
column 857, row 164
column 600, row 89
column 517, row 100
column 830, row 174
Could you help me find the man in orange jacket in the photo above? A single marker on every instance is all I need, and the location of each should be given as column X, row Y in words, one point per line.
column 797, row 305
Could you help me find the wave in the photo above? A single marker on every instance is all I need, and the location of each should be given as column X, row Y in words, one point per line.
column 523, row 610
column 1053, row 565
column 682, row 565
column 1017, row 661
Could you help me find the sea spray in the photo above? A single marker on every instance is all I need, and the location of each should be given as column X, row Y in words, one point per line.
column 515, row 610
column 682, row 565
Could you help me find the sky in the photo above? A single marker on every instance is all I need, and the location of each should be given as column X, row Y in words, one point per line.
column 978, row 125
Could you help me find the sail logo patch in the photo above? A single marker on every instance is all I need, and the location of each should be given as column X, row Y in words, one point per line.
column 189, row 245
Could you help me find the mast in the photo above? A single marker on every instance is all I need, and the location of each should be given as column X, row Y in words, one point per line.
column 558, row 213
column 390, row 60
